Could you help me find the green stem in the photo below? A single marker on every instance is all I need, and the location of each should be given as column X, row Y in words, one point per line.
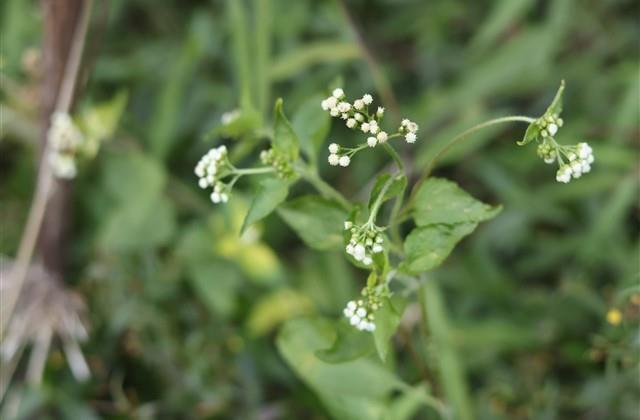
column 451, row 369
column 253, row 171
column 376, row 205
column 453, row 142
column 396, row 157
column 311, row 176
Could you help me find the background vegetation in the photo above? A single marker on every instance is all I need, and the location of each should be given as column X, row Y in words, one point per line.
column 190, row 320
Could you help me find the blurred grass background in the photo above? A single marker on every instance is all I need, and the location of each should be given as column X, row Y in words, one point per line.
column 184, row 313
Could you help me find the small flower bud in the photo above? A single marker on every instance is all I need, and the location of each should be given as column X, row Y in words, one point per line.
column 344, row 161
column 333, row 148
column 338, row 93
column 372, row 141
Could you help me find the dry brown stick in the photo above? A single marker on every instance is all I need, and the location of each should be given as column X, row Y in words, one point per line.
column 58, row 91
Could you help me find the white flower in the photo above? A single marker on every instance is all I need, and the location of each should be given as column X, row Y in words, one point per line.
column 338, row 93
column 564, row 174
column 334, row 159
column 333, row 148
column 364, row 127
column 215, row 197
column 552, row 129
column 549, row 159
column 351, row 122
column 382, row 136
column 367, row 99
column 202, row 183
column 367, row 260
column 352, row 305
column 63, row 166
column 377, row 248
column 325, row 105
column 355, row 320
column 344, row 106
column 380, row 112
column 332, row 102
column 347, row 225
column 334, row 112
column 361, row 312
column 344, row 161
column 344, row 116
column 372, row 141
column 373, row 127
column 358, row 104
column 229, row 117
column 410, row 137
column 359, row 117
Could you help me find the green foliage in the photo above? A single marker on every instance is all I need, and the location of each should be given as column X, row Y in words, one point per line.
column 427, row 247
column 270, row 195
column 397, row 185
column 191, row 319
column 442, row 201
column 554, row 109
column 316, row 220
column 285, row 140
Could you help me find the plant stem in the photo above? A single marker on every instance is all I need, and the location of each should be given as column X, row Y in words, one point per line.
column 253, row 171
column 311, row 176
column 396, row 157
column 453, row 142
column 376, row 205
column 451, row 370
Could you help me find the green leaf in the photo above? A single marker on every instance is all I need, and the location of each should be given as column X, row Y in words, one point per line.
column 215, row 283
column 556, row 105
column 352, row 390
column 312, row 126
column 317, row 220
column 285, row 140
column 387, row 321
column 99, row 122
column 271, row 193
column 427, row 247
column 138, row 225
column 442, row 201
column 396, row 187
column 350, row 344
column 244, row 123
column 532, row 133
column 533, row 130
column 275, row 308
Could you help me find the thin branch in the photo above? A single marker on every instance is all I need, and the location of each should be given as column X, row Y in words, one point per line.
column 45, row 178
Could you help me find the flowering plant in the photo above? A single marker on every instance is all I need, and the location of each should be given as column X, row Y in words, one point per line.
column 419, row 231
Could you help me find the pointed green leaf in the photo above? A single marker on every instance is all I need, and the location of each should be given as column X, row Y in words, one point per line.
column 312, row 126
column 427, row 247
column 442, row 201
column 350, row 344
column 285, row 140
column 387, row 321
column 317, row 220
column 533, row 130
column 271, row 193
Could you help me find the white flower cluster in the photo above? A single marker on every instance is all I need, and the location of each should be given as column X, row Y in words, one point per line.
column 365, row 241
column 65, row 142
column 360, row 313
column 409, row 129
column 580, row 160
column 357, row 116
column 335, row 158
column 209, row 170
column 359, row 317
